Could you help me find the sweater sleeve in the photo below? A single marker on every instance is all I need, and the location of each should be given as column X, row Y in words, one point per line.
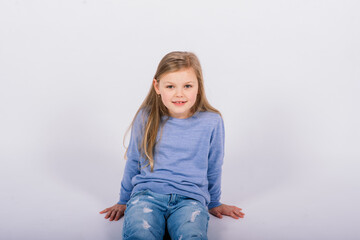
column 216, row 157
column 133, row 157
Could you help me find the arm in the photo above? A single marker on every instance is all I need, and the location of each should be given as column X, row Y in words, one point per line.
column 133, row 157
column 131, row 169
column 117, row 211
column 216, row 156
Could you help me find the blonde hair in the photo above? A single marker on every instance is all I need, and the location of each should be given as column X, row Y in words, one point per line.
column 154, row 107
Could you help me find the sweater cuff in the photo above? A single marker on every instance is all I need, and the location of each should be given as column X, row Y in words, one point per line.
column 214, row 204
column 121, row 202
column 124, row 197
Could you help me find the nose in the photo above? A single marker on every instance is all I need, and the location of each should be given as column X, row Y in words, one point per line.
column 179, row 92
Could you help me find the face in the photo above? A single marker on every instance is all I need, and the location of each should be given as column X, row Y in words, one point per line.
column 180, row 86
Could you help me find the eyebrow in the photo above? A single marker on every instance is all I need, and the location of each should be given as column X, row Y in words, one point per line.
column 173, row 83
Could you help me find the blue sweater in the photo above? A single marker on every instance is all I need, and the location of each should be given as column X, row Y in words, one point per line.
column 187, row 160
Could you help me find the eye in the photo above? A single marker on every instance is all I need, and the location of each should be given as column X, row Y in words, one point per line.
column 169, row 86
column 188, row 85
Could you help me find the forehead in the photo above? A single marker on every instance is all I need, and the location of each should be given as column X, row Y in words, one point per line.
column 181, row 76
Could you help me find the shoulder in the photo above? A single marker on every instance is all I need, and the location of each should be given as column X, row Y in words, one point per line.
column 141, row 118
column 212, row 118
column 142, row 114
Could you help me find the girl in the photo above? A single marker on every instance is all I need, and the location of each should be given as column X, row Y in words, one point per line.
column 173, row 174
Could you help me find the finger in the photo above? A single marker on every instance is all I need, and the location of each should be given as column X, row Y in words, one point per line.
column 215, row 213
column 113, row 215
column 219, row 215
column 240, row 214
column 118, row 216
column 104, row 211
column 108, row 215
column 237, row 209
column 233, row 215
column 122, row 214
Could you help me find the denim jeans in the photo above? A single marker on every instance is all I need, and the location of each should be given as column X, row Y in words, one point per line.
column 147, row 214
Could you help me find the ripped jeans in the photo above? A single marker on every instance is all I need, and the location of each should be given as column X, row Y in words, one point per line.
column 148, row 213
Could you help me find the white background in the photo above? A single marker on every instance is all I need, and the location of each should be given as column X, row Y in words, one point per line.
column 284, row 74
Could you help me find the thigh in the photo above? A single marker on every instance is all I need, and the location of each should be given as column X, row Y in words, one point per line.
column 144, row 217
column 188, row 220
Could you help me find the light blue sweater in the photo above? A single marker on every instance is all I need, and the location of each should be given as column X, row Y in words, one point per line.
column 187, row 160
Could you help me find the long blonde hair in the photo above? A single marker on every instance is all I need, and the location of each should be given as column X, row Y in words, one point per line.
column 154, row 107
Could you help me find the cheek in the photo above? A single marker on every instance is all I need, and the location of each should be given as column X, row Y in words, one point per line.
column 194, row 95
column 165, row 98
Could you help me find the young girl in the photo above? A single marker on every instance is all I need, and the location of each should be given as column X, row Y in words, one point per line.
column 172, row 177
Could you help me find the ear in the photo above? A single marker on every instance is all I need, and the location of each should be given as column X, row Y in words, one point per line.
column 156, row 86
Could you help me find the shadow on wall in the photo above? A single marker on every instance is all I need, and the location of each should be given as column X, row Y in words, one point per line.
column 81, row 150
column 83, row 145
column 265, row 152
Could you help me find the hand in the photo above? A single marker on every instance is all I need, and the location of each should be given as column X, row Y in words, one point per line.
column 115, row 212
column 227, row 210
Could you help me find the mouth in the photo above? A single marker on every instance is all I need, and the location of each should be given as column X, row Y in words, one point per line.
column 179, row 103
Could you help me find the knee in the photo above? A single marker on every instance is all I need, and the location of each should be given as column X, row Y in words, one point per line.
column 191, row 230
column 192, row 235
column 192, row 225
column 142, row 231
column 143, row 227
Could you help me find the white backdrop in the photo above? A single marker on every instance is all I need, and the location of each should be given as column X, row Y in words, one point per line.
column 284, row 74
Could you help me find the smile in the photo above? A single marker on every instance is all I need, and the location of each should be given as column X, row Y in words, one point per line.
column 179, row 103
